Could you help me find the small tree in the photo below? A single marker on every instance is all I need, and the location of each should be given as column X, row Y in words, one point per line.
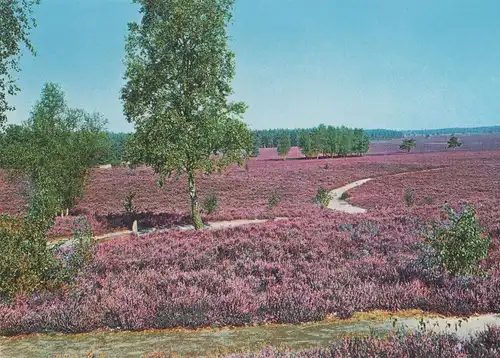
column 454, row 142
column 27, row 263
column 322, row 197
column 16, row 22
column 408, row 144
column 284, row 144
column 274, row 200
column 306, row 144
column 409, row 195
column 459, row 242
column 211, row 203
column 255, row 146
column 53, row 151
column 178, row 79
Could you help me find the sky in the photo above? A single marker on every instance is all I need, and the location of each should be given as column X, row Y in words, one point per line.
column 395, row 64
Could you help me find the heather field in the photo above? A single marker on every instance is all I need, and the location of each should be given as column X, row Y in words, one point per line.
column 139, row 213
column 244, row 194
column 433, row 144
column 329, row 265
column 321, row 264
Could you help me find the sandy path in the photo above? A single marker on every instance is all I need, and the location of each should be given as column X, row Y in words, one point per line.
column 338, row 204
column 210, row 226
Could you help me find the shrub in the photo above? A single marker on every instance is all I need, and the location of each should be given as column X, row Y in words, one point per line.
column 211, row 203
column 129, row 203
column 322, row 197
column 115, row 163
column 273, row 200
column 27, row 263
column 83, row 245
column 429, row 200
column 30, row 265
column 409, row 195
column 344, row 196
column 459, row 241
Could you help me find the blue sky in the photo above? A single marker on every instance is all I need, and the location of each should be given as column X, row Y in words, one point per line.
column 361, row 63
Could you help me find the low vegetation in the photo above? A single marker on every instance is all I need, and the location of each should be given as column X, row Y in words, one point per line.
column 323, row 197
column 459, row 241
column 408, row 144
column 291, row 272
column 484, row 344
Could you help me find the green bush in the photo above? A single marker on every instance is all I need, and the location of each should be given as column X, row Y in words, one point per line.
column 115, row 163
column 273, row 200
column 322, row 197
column 409, row 195
column 211, row 203
column 27, row 263
column 79, row 254
column 459, row 242
column 344, row 196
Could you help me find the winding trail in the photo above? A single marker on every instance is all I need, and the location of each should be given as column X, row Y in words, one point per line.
column 335, row 204
column 210, row 226
column 338, row 204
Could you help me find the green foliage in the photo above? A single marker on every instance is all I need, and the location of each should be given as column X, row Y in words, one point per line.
column 27, row 264
column 284, row 144
column 326, row 140
column 115, row 153
column 129, row 203
column 410, row 196
column 16, row 22
column 454, row 142
column 408, row 144
column 305, row 143
column 53, row 151
column 459, row 241
column 344, row 195
column 256, row 146
column 178, row 75
column 331, row 141
column 211, row 203
column 115, row 163
column 322, row 197
column 274, row 200
column 83, row 249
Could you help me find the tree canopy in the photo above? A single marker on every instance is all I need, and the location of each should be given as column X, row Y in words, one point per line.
column 284, row 144
column 331, row 141
column 408, row 144
column 179, row 70
column 53, row 151
column 16, row 23
column 454, row 142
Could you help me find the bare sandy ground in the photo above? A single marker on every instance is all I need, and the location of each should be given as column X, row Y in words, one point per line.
column 338, row 204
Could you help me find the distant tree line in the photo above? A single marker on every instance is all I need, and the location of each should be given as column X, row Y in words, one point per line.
column 269, row 138
column 455, row 130
column 325, row 141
